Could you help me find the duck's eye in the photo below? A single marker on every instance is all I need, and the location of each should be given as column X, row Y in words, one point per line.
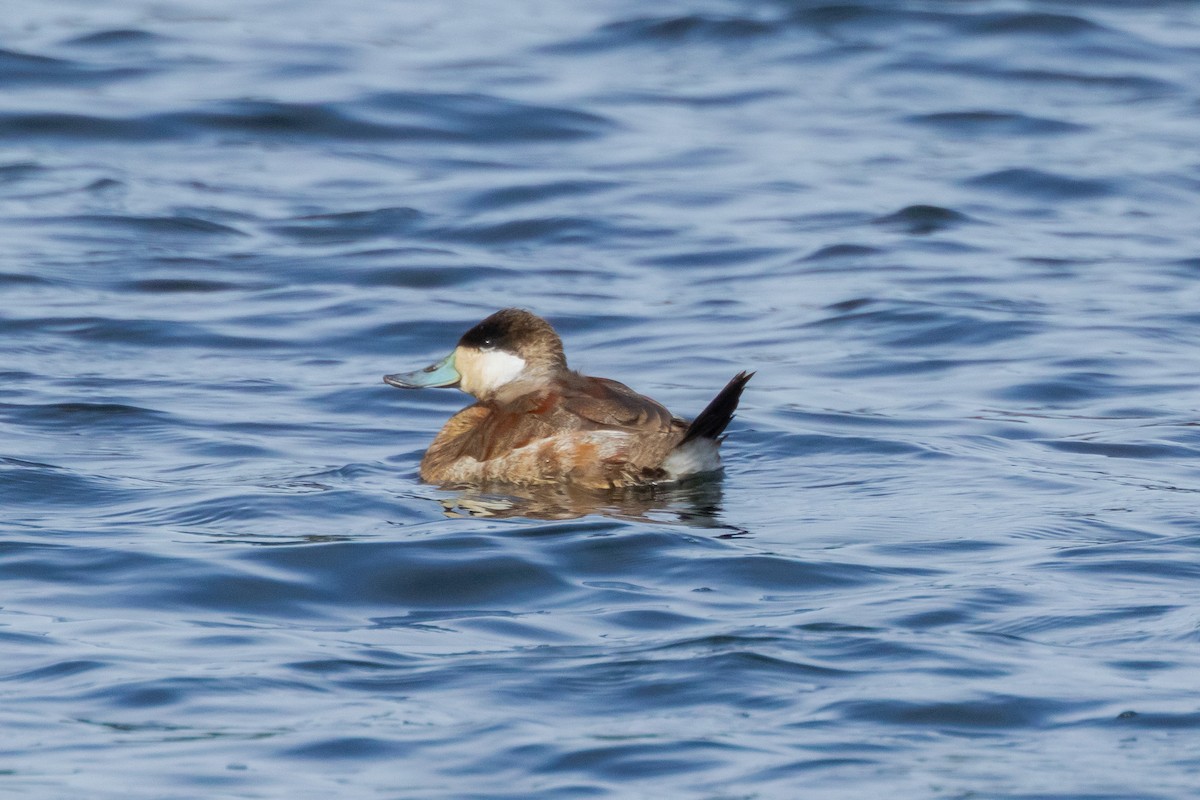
column 487, row 343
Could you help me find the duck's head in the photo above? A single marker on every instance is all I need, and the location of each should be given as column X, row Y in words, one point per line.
column 510, row 347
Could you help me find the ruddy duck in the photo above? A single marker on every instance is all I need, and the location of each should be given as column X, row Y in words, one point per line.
column 537, row 422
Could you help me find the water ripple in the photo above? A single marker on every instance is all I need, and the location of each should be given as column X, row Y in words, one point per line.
column 28, row 68
column 954, row 544
column 390, row 116
column 1044, row 185
column 994, row 123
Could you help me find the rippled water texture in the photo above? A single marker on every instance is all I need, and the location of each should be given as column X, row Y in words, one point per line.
column 955, row 552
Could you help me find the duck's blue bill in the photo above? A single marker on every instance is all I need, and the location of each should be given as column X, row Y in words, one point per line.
column 440, row 374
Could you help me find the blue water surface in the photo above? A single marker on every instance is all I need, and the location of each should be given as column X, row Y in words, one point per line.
column 955, row 552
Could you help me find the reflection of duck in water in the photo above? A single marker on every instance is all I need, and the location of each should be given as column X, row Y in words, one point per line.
column 691, row 503
column 536, row 422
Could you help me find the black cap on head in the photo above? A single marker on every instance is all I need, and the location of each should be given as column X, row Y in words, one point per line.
column 517, row 331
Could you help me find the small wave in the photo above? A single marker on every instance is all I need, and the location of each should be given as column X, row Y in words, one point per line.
column 1069, row 388
column 277, row 119
column 64, row 125
column 483, row 118
column 152, row 333
column 839, row 252
column 1109, row 569
column 21, row 170
column 770, row 573
column 1043, row 627
column 717, row 257
column 670, row 30
column 994, row 123
column 920, row 326
column 994, row 712
column 1158, row 720
column 812, row 444
column 116, row 38
column 509, row 196
column 27, row 68
column 74, row 415
column 843, row 20
column 179, row 286
column 431, row 276
column 543, row 230
column 438, row 574
column 152, row 226
column 14, row 279
column 1130, row 87
column 921, row 220
column 1123, row 450
column 350, row 747
column 56, row 671
column 1038, row 23
column 1044, row 185
column 350, row 226
column 402, row 116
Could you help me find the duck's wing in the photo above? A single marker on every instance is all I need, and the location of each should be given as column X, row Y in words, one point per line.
column 599, row 403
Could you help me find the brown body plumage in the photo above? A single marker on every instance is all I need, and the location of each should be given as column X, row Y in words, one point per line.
column 537, row 422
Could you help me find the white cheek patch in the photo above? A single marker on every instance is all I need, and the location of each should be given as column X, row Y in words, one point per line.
column 491, row 369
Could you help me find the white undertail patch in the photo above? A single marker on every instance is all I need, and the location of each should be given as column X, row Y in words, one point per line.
column 692, row 458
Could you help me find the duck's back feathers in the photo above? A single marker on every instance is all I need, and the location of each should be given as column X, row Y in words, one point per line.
column 610, row 404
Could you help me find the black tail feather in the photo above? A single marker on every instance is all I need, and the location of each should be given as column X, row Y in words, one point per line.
column 712, row 421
